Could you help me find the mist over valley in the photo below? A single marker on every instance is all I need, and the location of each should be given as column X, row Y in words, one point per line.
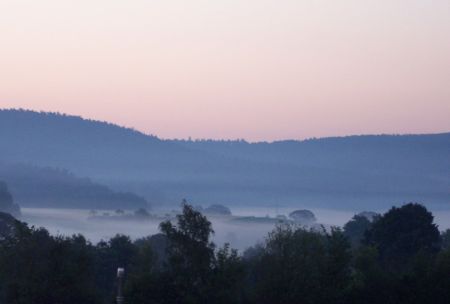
column 348, row 173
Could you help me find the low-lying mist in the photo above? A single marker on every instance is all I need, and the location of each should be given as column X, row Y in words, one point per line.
column 240, row 234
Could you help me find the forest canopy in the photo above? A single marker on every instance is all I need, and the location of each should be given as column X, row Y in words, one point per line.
column 182, row 265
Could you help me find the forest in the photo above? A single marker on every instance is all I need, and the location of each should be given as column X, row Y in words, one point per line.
column 41, row 187
column 352, row 172
column 397, row 257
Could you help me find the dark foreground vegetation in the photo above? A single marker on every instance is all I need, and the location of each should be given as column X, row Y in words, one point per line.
column 399, row 257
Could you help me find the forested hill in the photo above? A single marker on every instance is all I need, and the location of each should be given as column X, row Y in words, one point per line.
column 345, row 172
column 428, row 153
column 33, row 186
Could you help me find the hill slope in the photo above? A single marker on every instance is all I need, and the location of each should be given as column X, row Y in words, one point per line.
column 347, row 172
column 33, row 186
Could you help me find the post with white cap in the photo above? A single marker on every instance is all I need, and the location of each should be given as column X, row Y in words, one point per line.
column 120, row 275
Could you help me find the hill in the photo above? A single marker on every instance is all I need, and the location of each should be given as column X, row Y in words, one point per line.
column 33, row 186
column 346, row 172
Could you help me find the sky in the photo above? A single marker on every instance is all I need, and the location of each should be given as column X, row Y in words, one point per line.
column 251, row 69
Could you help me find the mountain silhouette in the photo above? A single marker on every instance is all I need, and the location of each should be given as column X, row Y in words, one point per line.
column 339, row 172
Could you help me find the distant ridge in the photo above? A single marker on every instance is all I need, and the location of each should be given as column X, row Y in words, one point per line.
column 338, row 172
column 33, row 186
column 57, row 116
column 30, row 114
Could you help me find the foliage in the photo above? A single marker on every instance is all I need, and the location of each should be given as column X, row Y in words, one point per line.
column 302, row 266
column 191, row 254
column 182, row 265
column 217, row 210
column 401, row 233
column 445, row 237
column 303, row 216
column 38, row 268
column 356, row 228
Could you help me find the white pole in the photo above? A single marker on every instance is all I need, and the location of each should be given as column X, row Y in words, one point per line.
column 120, row 275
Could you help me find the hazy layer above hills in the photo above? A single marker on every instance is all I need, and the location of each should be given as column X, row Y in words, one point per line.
column 349, row 172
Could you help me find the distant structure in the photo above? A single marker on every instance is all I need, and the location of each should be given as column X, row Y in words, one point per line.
column 120, row 275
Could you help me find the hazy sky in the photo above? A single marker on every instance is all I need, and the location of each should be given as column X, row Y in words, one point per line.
column 254, row 69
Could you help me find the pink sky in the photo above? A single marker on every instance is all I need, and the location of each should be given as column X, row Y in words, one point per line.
column 253, row 69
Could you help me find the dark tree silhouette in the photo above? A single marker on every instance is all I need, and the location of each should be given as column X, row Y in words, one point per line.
column 303, row 216
column 301, row 266
column 355, row 229
column 402, row 232
column 445, row 237
column 182, row 265
column 190, row 252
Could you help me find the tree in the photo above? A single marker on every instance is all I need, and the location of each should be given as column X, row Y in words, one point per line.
column 228, row 277
column 217, row 210
column 190, row 254
column 192, row 272
column 439, row 280
column 305, row 217
column 143, row 284
column 401, row 233
column 355, row 229
column 370, row 215
column 302, row 266
column 119, row 251
column 370, row 283
column 445, row 237
column 38, row 268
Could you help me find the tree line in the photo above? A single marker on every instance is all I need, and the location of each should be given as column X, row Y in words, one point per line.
column 397, row 257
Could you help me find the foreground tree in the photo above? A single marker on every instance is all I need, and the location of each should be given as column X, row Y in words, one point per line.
column 401, row 233
column 445, row 239
column 38, row 268
column 190, row 253
column 356, row 228
column 119, row 251
column 302, row 266
column 190, row 270
column 145, row 283
column 182, row 265
column 439, row 279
